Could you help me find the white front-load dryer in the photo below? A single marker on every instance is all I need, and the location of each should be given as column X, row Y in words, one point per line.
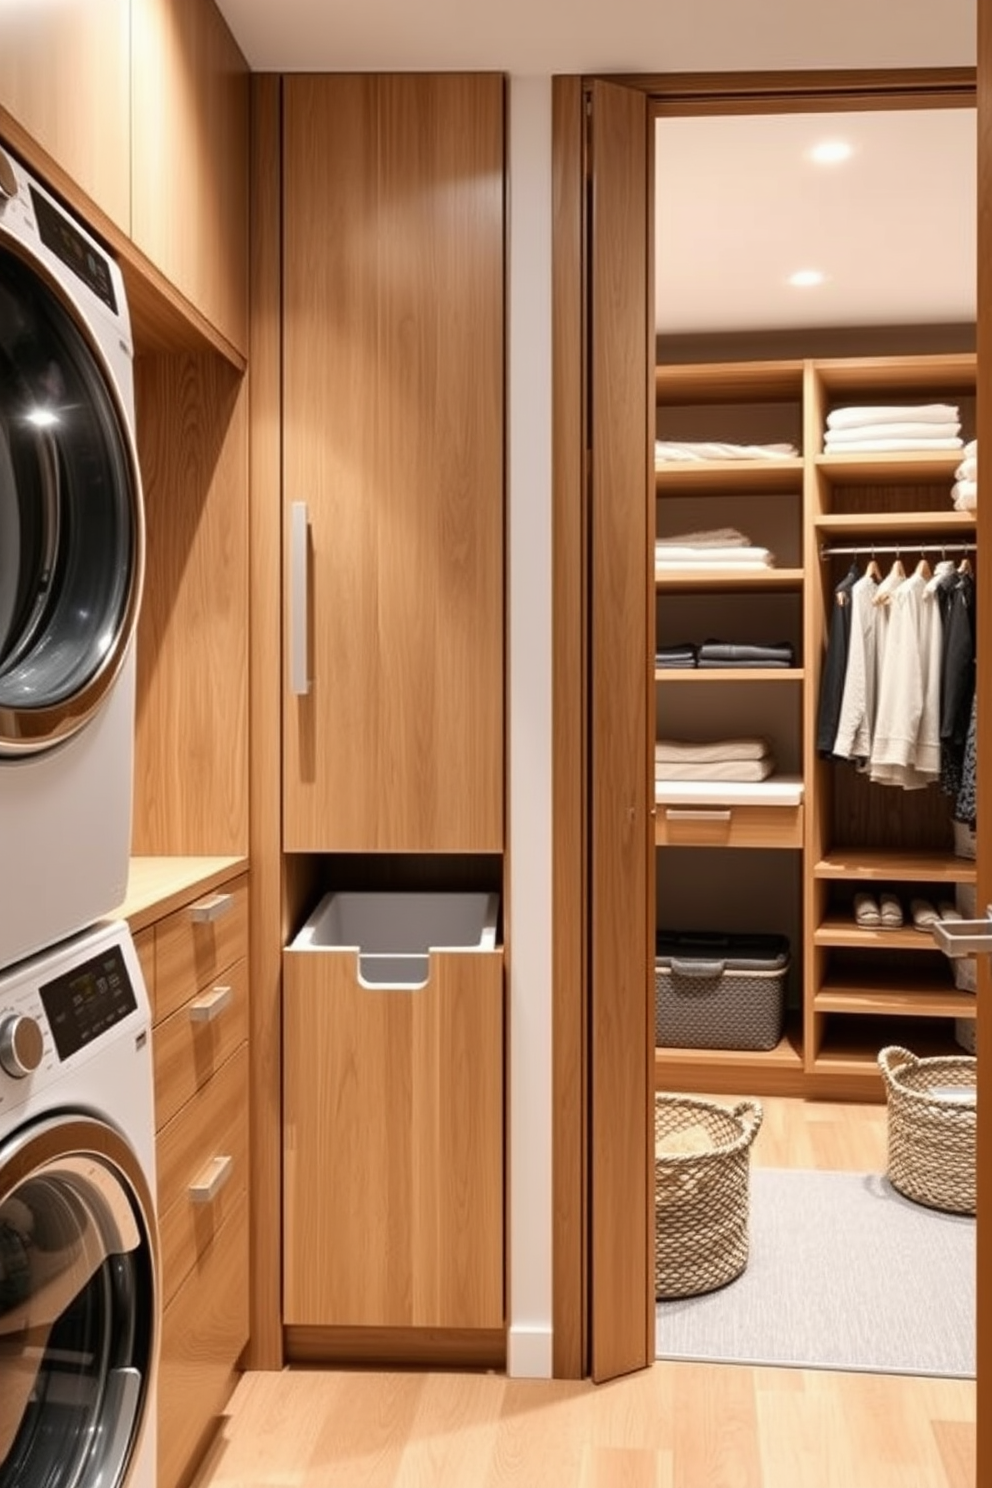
column 79, row 1284
column 71, row 570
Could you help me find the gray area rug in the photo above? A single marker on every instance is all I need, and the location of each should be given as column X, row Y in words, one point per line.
column 843, row 1273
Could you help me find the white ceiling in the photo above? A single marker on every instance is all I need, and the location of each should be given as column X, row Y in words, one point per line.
column 738, row 206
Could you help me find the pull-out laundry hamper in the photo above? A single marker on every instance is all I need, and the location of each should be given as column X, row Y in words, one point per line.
column 702, row 1170
column 933, row 1119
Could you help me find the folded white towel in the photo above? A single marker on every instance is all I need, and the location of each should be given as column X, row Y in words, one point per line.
column 965, row 495
column 862, row 432
column 668, row 449
column 971, row 448
column 740, row 770
column 921, row 413
column 714, row 537
column 714, row 565
column 701, row 754
column 968, row 469
column 708, row 556
column 880, row 446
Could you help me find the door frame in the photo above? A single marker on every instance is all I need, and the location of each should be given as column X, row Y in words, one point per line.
column 573, row 992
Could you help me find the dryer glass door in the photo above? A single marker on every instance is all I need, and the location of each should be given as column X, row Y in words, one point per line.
column 77, row 1312
column 71, row 531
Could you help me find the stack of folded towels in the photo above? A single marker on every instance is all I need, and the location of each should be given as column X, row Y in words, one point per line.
column 927, row 426
column 964, row 492
column 695, row 449
column 718, row 547
column 726, row 759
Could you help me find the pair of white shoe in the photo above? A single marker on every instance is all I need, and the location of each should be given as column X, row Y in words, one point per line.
column 886, row 912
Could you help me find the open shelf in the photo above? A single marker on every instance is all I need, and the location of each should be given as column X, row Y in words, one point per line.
column 729, row 382
column 899, row 524
column 726, row 581
column 850, row 1046
column 906, row 867
column 728, row 674
column 841, row 930
column 777, row 1071
column 728, row 477
column 909, row 466
column 916, row 1002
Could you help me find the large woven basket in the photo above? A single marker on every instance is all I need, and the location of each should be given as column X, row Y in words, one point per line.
column 932, row 1116
column 702, row 1168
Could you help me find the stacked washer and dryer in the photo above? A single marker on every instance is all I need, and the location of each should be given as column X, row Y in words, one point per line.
column 79, row 1293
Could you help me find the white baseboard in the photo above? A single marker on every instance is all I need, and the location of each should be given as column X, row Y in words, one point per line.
column 529, row 1352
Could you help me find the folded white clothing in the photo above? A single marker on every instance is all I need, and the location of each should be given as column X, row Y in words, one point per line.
column 968, row 469
column 971, row 449
column 717, row 565
column 701, row 754
column 882, row 446
column 965, row 495
column 920, row 413
column 670, row 449
column 712, row 555
column 740, row 770
column 714, row 537
column 863, row 432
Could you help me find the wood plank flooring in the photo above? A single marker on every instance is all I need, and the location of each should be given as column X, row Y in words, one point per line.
column 671, row 1426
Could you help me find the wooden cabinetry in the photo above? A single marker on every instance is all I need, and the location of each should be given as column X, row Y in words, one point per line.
column 857, row 988
column 393, row 412
column 189, row 189
column 726, row 862
column 65, row 85
column 393, row 1145
column 191, row 922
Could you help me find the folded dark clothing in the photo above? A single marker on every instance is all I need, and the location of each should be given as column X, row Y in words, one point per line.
column 681, row 655
column 757, row 655
column 681, row 648
column 675, row 664
column 758, row 663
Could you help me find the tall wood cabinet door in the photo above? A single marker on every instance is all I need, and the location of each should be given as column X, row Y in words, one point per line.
column 190, row 157
column 65, row 79
column 393, row 409
column 621, row 893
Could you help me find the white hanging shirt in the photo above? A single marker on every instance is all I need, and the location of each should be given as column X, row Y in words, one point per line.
column 906, row 744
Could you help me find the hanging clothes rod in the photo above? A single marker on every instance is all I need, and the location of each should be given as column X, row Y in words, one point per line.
column 870, row 548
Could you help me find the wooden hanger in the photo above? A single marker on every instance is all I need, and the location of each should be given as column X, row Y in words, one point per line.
column 872, row 570
column 923, row 569
column 964, row 567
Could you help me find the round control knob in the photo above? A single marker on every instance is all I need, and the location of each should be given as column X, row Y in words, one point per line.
column 21, row 1044
column 8, row 181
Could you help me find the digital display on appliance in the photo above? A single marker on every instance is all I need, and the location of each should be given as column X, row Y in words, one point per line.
column 83, row 1003
column 58, row 234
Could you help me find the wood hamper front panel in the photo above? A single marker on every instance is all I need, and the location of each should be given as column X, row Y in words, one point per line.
column 393, row 1212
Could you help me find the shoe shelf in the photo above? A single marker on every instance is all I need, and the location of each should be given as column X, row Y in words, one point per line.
column 840, row 930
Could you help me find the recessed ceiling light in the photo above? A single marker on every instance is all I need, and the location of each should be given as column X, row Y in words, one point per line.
column 831, row 152
column 806, row 278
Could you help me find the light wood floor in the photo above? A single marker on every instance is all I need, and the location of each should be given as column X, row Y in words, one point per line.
column 672, row 1426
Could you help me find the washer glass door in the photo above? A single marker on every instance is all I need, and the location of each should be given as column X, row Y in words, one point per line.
column 71, row 532
column 78, row 1309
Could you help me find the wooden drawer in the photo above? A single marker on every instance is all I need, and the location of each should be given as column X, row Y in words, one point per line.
column 204, row 1329
column 212, row 1126
column 197, row 943
column 729, row 826
column 192, row 1044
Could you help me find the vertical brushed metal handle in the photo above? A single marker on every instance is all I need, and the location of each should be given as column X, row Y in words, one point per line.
column 299, row 578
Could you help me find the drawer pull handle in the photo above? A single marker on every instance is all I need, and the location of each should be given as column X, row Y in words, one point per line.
column 675, row 813
column 210, row 1005
column 208, row 910
column 210, row 1182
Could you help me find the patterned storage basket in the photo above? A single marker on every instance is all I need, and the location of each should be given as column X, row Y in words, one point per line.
column 702, row 1167
column 932, row 1113
column 715, row 991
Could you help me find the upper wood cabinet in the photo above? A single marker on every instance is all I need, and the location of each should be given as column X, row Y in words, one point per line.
column 65, row 80
column 189, row 183
column 393, row 418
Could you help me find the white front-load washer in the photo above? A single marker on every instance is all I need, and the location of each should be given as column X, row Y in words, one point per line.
column 79, row 1287
column 71, row 570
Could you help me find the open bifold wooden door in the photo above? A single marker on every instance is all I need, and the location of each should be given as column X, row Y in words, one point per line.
column 621, row 896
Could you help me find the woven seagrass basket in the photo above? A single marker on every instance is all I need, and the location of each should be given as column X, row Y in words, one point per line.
column 932, row 1117
column 701, row 1212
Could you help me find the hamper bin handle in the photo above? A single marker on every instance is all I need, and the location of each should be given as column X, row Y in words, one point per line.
column 893, row 1059
column 699, row 969
column 750, row 1115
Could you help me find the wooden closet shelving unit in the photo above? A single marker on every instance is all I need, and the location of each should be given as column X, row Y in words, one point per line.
column 857, row 989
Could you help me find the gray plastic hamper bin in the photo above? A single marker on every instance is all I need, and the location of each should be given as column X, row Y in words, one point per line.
column 393, row 933
column 715, row 991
